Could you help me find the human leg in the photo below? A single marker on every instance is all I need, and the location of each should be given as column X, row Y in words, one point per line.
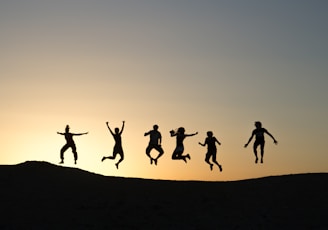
column 63, row 149
column 160, row 151
column 215, row 162
column 148, row 149
column 120, row 160
column 116, row 150
column 110, row 157
column 177, row 154
column 74, row 153
column 187, row 156
column 207, row 160
column 256, row 144
column 262, row 151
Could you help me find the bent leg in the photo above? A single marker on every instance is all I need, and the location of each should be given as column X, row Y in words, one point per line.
column 215, row 162
column 113, row 156
column 63, row 149
column 116, row 150
column 120, row 160
column 109, row 157
column 207, row 160
column 177, row 154
column 214, row 159
column 148, row 149
column 160, row 150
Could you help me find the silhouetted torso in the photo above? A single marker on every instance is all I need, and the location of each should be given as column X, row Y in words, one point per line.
column 118, row 139
column 180, row 138
column 154, row 137
column 69, row 138
column 210, row 141
column 259, row 134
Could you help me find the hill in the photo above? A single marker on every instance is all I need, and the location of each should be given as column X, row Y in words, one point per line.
column 39, row 195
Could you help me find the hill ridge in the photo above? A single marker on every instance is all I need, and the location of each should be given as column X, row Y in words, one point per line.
column 40, row 195
column 48, row 165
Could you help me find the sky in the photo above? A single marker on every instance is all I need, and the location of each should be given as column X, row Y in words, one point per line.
column 203, row 65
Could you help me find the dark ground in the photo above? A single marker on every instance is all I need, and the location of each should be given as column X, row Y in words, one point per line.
column 39, row 195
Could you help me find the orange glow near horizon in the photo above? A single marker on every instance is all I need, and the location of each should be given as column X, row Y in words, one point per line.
column 43, row 144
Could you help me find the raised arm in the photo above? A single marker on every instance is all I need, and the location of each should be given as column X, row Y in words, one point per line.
column 274, row 140
column 122, row 127
column 173, row 133
column 109, row 128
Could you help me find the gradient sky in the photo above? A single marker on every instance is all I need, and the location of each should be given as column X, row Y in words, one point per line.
column 204, row 65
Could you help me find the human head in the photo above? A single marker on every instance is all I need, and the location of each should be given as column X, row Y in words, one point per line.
column 155, row 127
column 210, row 134
column 181, row 130
column 117, row 130
column 67, row 128
column 258, row 124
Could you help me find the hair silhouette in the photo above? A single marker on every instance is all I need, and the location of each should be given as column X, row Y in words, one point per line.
column 155, row 141
column 210, row 141
column 178, row 151
column 69, row 143
column 259, row 140
column 118, row 144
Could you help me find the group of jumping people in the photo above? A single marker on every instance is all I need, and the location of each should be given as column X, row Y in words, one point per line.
column 155, row 142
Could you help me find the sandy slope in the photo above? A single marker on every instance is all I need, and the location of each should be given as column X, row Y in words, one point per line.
column 39, row 195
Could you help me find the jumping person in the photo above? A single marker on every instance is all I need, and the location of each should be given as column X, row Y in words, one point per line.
column 118, row 144
column 259, row 140
column 69, row 144
column 210, row 141
column 154, row 143
column 180, row 135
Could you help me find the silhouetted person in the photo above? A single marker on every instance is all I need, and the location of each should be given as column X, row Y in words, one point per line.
column 210, row 141
column 69, row 143
column 180, row 134
column 154, row 143
column 259, row 139
column 118, row 144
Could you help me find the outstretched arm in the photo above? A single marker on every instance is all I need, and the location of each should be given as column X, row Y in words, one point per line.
column 250, row 139
column 190, row 135
column 60, row 133
column 79, row 134
column 147, row 133
column 109, row 128
column 122, row 127
column 274, row 140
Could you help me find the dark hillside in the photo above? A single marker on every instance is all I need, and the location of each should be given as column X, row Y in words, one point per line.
column 39, row 195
